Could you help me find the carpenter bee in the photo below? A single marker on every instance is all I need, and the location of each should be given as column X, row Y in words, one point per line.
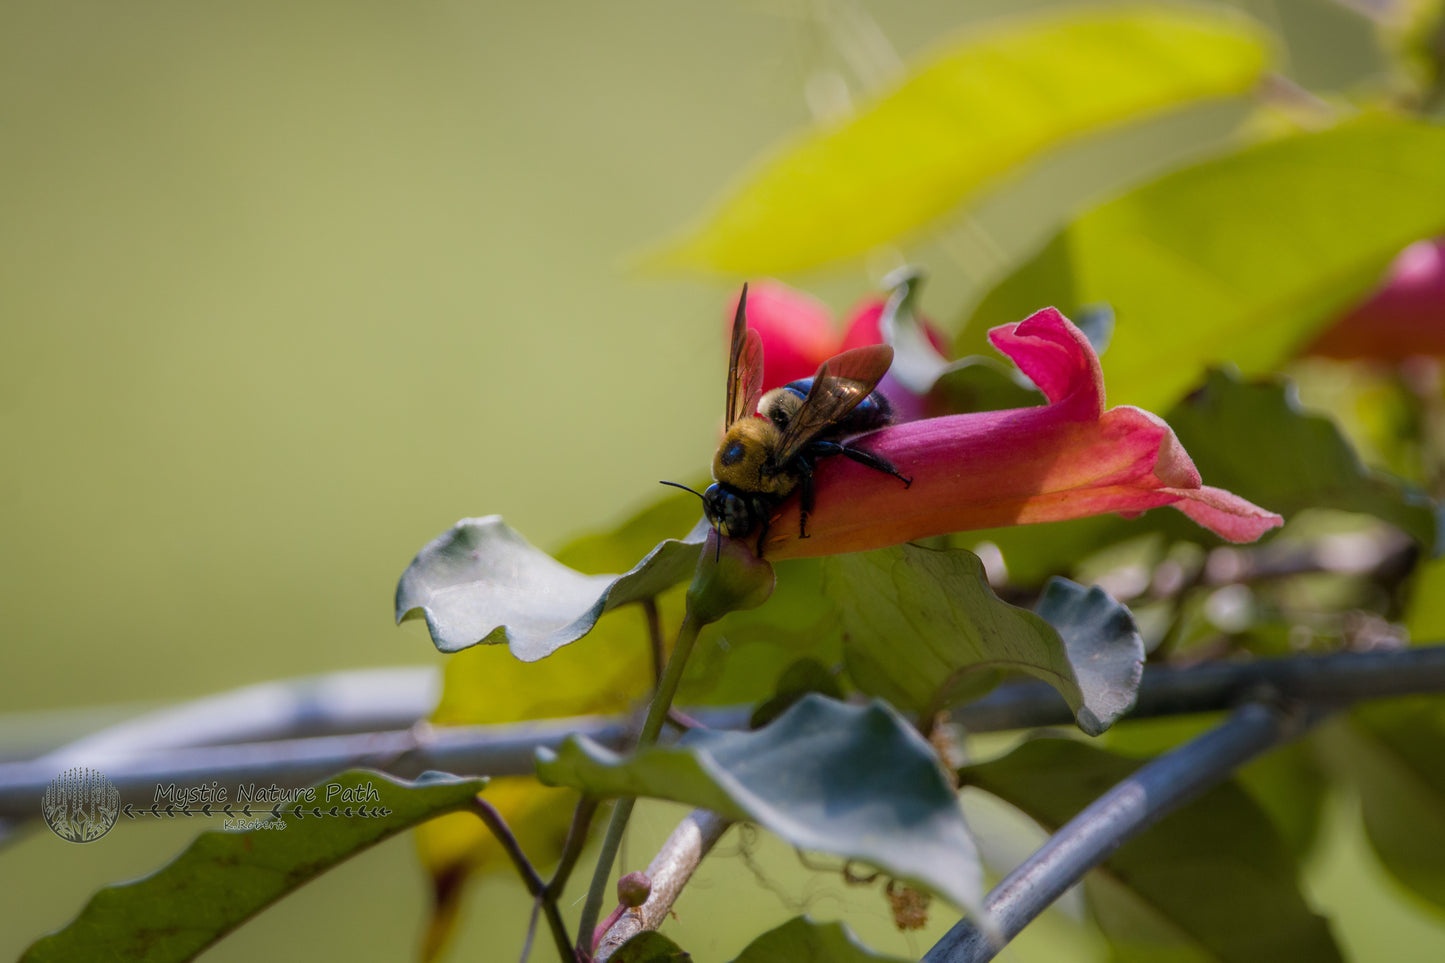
column 764, row 459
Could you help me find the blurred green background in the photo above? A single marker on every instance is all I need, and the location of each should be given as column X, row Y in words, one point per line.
column 286, row 289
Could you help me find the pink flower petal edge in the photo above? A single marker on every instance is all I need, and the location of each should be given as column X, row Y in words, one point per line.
column 1067, row 459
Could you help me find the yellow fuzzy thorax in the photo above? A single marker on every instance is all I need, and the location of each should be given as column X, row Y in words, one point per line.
column 744, row 459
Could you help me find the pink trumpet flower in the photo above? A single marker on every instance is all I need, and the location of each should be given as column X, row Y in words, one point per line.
column 798, row 334
column 1067, row 459
column 796, row 329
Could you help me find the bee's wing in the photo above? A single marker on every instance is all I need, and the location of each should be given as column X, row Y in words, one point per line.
column 745, row 366
column 840, row 385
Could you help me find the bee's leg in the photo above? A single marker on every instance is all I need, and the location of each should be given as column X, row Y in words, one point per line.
column 865, row 458
column 764, row 513
column 806, row 496
column 870, row 460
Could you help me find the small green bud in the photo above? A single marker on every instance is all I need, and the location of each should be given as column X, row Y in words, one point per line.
column 729, row 578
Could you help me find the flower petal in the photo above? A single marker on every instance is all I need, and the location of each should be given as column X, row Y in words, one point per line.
column 796, row 328
column 861, row 328
column 1226, row 514
column 1067, row 459
column 1058, row 358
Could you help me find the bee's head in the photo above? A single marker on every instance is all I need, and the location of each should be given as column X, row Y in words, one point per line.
column 727, row 511
column 730, row 513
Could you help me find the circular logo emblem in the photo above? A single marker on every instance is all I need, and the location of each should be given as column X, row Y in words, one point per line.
column 81, row 805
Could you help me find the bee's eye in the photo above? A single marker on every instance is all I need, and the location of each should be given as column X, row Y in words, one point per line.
column 728, row 512
column 715, row 503
column 732, row 454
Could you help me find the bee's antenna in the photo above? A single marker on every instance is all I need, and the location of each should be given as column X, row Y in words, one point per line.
column 699, row 495
column 683, row 487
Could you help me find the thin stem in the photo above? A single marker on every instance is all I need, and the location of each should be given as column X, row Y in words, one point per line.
column 498, row 825
column 499, row 750
column 612, row 842
column 559, row 929
column 572, row 848
column 531, row 931
column 1115, row 817
column 1340, row 677
column 683, row 721
column 671, row 678
column 654, row 637
column 622, row 812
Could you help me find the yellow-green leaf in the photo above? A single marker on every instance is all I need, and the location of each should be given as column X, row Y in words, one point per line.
column 1238, row 258
column 989, row 101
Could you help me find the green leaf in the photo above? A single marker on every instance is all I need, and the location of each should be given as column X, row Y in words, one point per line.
column 1211, row 881
column 1240, row 258
column 1292, row 788
column 1255, row 440
column 1425, row 613
column 794, row 776
column 1102, row 645
column 483, row 582
column 801, row 939
column 650, row 946
column 741, row 658
column 1392, row 751
column 924, row 631
column 988, row 102
column 224, row 878
column 799, row 679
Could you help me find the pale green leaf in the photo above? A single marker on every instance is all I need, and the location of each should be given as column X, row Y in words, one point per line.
column 984, row 104
column 481, row 581
column 1240, row 258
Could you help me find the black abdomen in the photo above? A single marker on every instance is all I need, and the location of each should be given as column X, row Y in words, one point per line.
column 872, row 412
